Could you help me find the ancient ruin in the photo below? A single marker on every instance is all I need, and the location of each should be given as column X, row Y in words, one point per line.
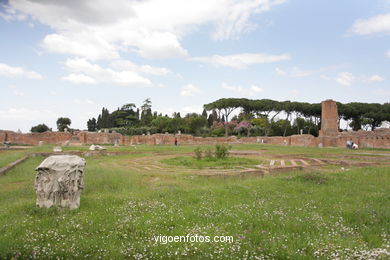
column 329, row 136
column 329, row 118
column 59, row 181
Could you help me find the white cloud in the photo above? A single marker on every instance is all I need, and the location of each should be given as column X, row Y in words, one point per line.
column 79, row 79
column 241, row 61
column 345, row 78
column 26, row 114
column 190, row 90
column 375, row 78
column 98, row 29
column 251, row 91
column 88, row 73
column 376, row 24
column 89, row 46
column 293, row 72
column 85, row 101
column 9, row 71
column 147, row 69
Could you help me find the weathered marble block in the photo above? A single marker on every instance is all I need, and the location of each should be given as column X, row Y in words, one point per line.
column 59, row 181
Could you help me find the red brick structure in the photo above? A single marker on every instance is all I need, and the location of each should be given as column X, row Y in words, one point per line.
column 35, row 138
column 379, row 138
column 329, row 136
column 329, row 119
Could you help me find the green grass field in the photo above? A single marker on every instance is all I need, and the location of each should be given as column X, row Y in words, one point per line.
column 327, row 213
column 227, row 163
column 7, row 157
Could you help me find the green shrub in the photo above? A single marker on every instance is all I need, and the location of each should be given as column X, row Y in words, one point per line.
column 218, row 132
column 134, row 130
column 221, row 151
column 198, row 153
column 208, row 154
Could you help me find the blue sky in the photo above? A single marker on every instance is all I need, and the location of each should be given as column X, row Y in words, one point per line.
column 71, row 58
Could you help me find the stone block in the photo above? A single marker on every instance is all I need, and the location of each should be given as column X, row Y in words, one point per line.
column 59, row 181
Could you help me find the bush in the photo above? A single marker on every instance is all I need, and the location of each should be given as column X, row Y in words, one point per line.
column 198, row 153
column 221, row 151
column 134, row 130
column 208, row 153
column 218, row 132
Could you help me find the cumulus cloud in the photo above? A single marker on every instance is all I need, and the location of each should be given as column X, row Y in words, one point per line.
column 251, row 91
column 84, row 45
column 98, row 29
column 345, row 78
column 376, row 24
column 190, row 90
column 9, row 71
column 85, row 72
column 241, row 61
column 79, row 79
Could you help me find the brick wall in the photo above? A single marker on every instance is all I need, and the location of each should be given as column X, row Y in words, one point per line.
column 365, row 139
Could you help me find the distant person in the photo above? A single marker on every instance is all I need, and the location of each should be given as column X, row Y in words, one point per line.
column 355, row 147
column 175, row 141
column 7, row 144
column 349, row 144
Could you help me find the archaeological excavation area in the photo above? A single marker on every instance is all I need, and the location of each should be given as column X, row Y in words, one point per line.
column 109, row 196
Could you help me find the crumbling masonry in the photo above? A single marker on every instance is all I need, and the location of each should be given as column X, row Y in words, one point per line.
column 329, row 136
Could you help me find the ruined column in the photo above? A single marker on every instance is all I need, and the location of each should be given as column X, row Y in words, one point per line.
column 329, row 118
column 59, row 181
column 329, row 123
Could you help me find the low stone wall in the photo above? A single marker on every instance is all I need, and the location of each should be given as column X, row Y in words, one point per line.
column 365, row 139
column 34, row 138
column 100, row 138
column 167, row 139
column 379, row 138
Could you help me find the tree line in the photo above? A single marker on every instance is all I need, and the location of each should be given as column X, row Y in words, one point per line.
column 356, row 114
column 254, row 117
column 233, row 116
